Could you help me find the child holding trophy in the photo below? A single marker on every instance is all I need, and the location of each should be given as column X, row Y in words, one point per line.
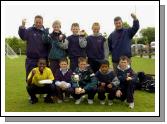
column 83, row 82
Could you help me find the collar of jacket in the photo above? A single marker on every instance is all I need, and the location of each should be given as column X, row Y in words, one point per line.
column 56, row 33
column 41, row 29
column 82, row 70
column 64, row 71
column 99, row 34
column 104, row 73
column 119, row 30
column 123, row 69
column 75, row 35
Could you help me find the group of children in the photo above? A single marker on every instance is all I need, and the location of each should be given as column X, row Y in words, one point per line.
column 88, row 72
column 76, row 45
column 83, row 81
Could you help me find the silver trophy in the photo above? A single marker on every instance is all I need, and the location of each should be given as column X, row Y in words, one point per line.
column 76, row 78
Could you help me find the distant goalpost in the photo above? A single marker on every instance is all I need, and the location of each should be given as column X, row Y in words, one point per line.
column 9, row 52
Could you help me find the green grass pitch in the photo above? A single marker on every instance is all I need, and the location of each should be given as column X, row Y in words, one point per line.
column 16, row 98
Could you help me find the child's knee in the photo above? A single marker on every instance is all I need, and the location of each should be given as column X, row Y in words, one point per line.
column 71, row 90
column 101, row 89
column 92, row 89
column 30, row 88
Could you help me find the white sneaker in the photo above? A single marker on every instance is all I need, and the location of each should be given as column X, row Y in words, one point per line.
column 38, row 95
column 71, row 97
column 78, row 101
column 90, row 101
column 83, row 97
column 41, row 95
column 110, row 102
column 102, row 102
column 66, row 99
column 59, row 101
column 131, row 105
column 29, row 98
column 44, row 95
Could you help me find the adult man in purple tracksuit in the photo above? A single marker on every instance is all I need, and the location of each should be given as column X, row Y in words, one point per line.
column 119, row 41
column 35, row 48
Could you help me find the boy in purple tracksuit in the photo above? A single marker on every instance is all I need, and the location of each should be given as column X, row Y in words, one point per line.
column 63, row 80
column 127, row 79
column 119, row 41
column 96, row 48
column 76, row 46
column 35, row 48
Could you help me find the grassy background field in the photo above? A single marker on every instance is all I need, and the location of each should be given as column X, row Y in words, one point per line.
column 16, row 98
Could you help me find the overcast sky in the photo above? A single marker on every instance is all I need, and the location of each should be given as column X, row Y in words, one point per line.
column 85, row 15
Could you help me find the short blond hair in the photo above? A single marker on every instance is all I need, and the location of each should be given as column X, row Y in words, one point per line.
column 96, row 24
column 75, row 25
column 56, row 22
column 82, row 59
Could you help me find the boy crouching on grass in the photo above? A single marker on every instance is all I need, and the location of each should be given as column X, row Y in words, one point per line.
column 107, row 83
column 35, row 87
column 63, row 80
column 84, row 82
column 127, row 79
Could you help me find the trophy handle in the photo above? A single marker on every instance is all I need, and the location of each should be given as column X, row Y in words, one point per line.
column 78, row 83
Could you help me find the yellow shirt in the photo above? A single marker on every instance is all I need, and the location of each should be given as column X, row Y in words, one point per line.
column 47, row 74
